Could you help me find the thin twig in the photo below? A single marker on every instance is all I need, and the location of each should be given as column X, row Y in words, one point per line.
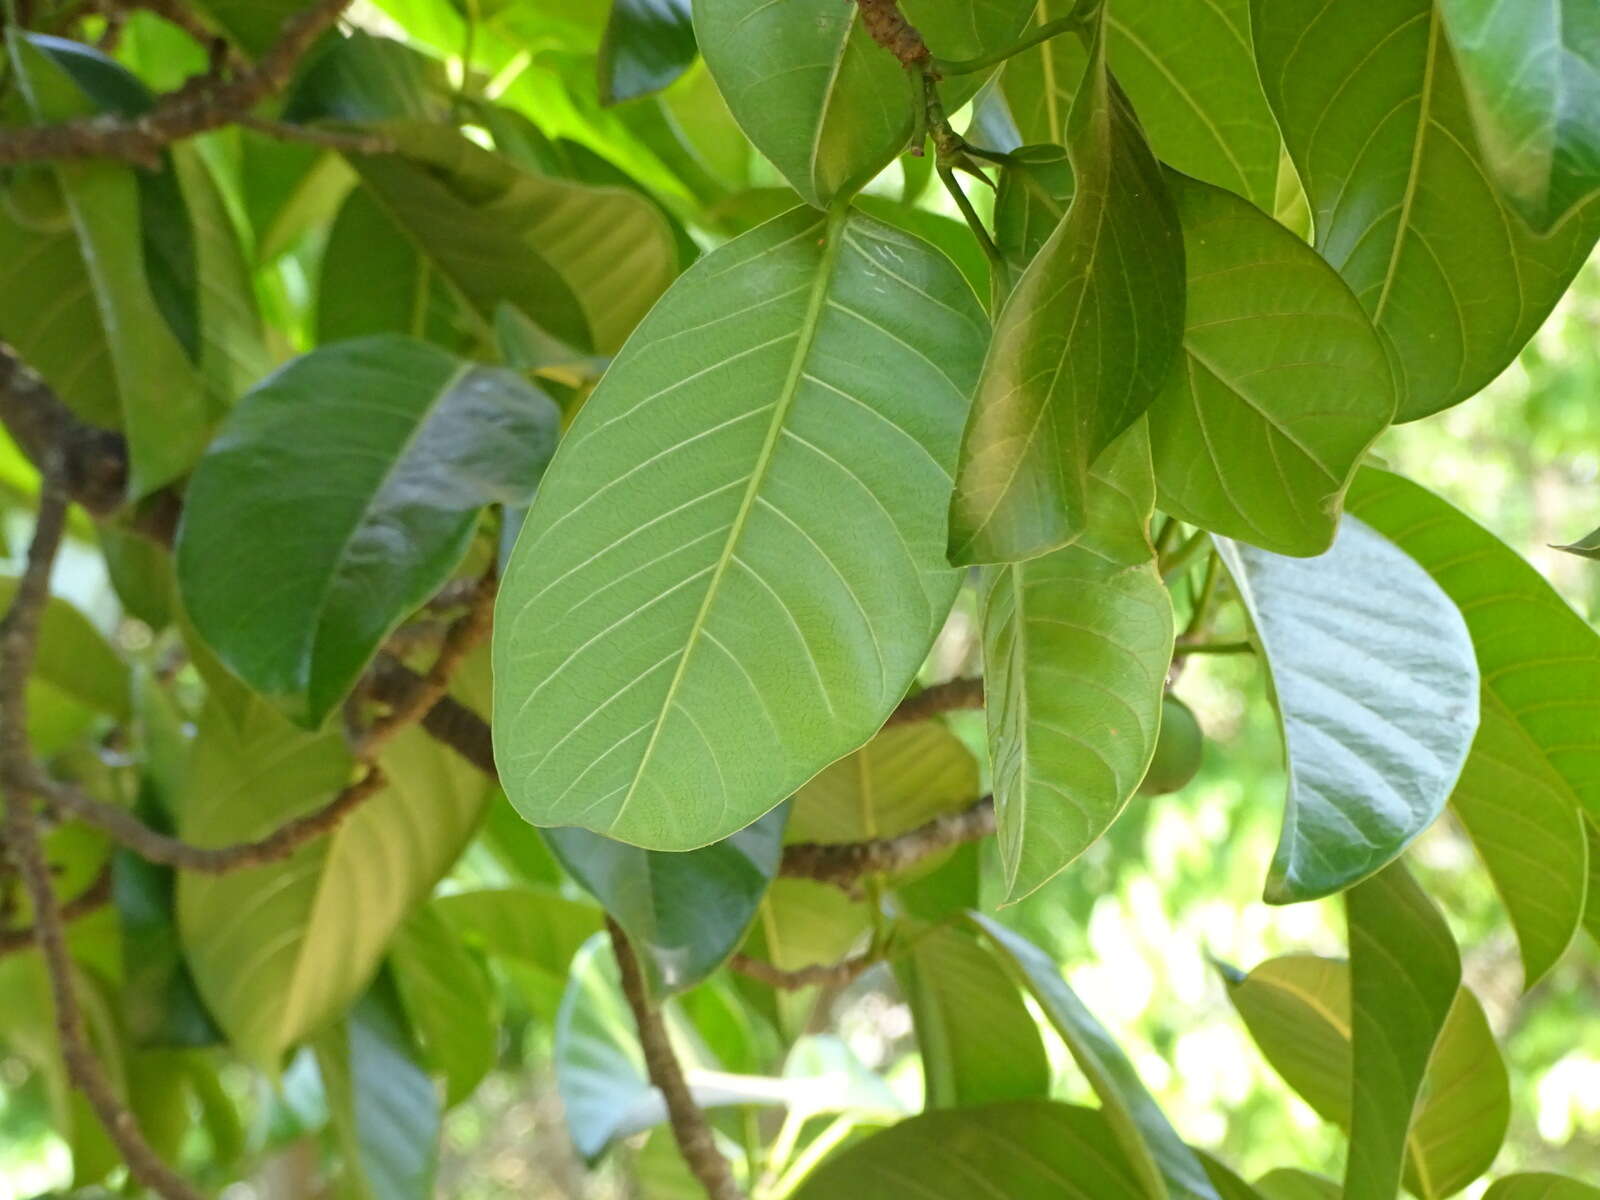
column 940, row 698
column 180, row 114
column 688, row 1123
column 19, row 639
column 346, row 140
column 92, row 899
column 837, row 975
column 843, row 863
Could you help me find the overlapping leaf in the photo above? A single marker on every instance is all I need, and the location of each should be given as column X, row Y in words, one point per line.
column 1535, row 763
column 818, row 98
column 447, row 998
column 1282, row 385
column 647, row 44
column 1081, row 347
column 732, row 572
column 355, row 527
column 1371, row 106
column 1377, row 691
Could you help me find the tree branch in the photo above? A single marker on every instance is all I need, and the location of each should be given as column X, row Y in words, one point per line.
column 843, row 863
column 688, row 1123
column 19, row 639
column 181, row 114
column 887, row 26
column 92, row 899
column 940, row 698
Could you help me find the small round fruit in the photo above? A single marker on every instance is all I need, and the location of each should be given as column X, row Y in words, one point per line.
column 1178, row 750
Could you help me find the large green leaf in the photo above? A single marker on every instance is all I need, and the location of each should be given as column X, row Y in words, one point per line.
column 447, row 997
column 1158, row 1157
column 1377, row 693
column 684, row 913
column 647, row 44
column 1540, row 1185
column 1282, row 386
column 1531, row 73
column 1076, row 646
column 354, row 528
column 977, row 1040
column 1535, row 763
column 584, row 262
column 101, row 343
column 1297, row 1009
column 280, row 950
column 1081, row 347
column 1023, row 1150
column 1188, row 68
column 732, row 571
column 818, row 98
column 383, row 1107
column 1371, row 107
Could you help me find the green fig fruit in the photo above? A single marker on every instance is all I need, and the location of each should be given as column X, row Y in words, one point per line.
column 1178, row 750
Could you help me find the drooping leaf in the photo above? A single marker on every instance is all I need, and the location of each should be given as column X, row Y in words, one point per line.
column 1188, row 69
column 383, row 1107
column 732, row 573
column 978, row 1042
column 1531, row 74
column 1535, row 764
column 819, row 98
column 1282, row 386
column 102, row 345
column 1022, row 1150
column 280, row 950
column 1157, row 1157
column 447, row 998
column 1370, row 102
column 1377, row 693
column 1540, row 1185
column 584, row 262
column 647, row 44
column 411, row 443
column 1588, row 547
column 1080, row 348
column 1076, row 648
column 684, row 913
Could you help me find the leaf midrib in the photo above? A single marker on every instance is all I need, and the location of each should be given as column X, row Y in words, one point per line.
column 833, row 239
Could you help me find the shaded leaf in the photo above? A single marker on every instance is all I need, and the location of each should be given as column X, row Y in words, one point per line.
column 717, row 595
column 1377, row 693
column 362, row 77
column 647, row 44
column 411, row 443
column 447, row 999
column 76, row 675
column 252, row 24
column 1535, row 762
column 542, row 928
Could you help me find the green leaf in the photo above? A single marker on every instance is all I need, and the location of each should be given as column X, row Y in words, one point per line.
column 1377, row 694
column 1158, row 1158
column 1188, row 69
column 448, row 1000
column 540, row 927
column 411, row 443
column 1076, row 646
column 280, row 950
column 1588, row 547
column 106, row 350
column 1282, row 387
column 1531, row 74
column 978, row 1042
column 76, row 675
column 289, row 191
column 384, row 1108
column 584, row 262
column 361, row 77
column 684, row 913
column 1371, row 106
column 251, row 24
column 715, row 596
column 1535, row 763
column 819, row 98
column 1540, row 1185
column 1023, row 1150
column 647, row 44
column 1081, row 347
column 1297, row 1009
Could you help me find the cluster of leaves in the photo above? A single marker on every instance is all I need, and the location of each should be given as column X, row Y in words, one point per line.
column 635, row 313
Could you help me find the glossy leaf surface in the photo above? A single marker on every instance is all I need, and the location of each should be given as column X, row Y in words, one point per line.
column 647, row 44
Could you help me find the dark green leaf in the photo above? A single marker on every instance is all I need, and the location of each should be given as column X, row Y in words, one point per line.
column 647, row 44
column 1531, row 74
column 384, row 1108
column 1024, row 1150
column 684, row 913
column 252, row 24
column 1535, row 763
column 361, row 77
column 1282, row 386
column 1377, row 693
column 977, row 1040
column 448, row 1000
column 716, row 596
column 1159, row 1159
column 1081, row 347
column 411, row 443
column 1371, row 107
column 817, row 97
column 1034, row 193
